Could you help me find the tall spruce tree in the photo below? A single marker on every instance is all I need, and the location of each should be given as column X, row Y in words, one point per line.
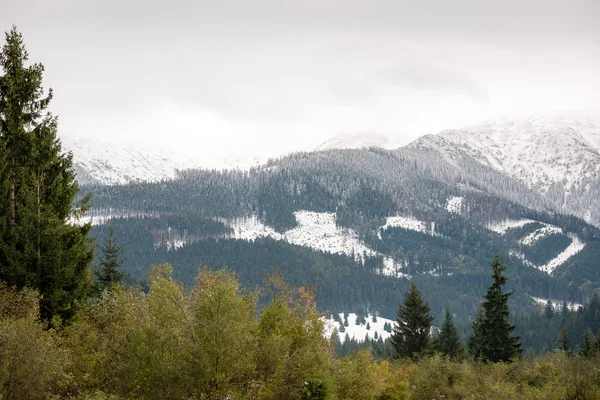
column 410, row 335
column 496, row 341
column 564, row 340
column 38, row 246
column 448, row 342
column 475, row 343
column 587, row 347
column 108, row 272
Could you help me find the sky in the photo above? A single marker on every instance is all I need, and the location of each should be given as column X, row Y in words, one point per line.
column 257, row 78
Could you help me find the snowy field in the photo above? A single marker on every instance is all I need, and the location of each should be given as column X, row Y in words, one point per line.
column 409, row 223
column 317, row 231
column 358, row 332
column 504, row 226
column 454, row 204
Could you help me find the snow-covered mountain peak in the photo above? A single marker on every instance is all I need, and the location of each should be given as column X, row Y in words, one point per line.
column 102, row 162
column 539, row 151
column 361, row 140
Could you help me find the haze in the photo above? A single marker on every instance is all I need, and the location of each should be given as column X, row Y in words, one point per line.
column 256, row 78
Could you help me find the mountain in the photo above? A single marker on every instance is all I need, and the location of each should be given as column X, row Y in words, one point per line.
column 559, row 158
column 361, row 223
column 106, row 163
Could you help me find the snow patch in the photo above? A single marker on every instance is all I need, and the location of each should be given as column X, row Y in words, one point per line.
column 508, row 224
column 357, row 332
column 557, row 304
column 409, row 223
column 454, row 204
column 575, row 247
column 317, row 231
column 539, row 234
column 251, row 229
column 104, row 217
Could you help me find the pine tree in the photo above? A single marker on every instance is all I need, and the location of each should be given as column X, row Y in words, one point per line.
column 564, row 340
column 38, row 247
column 368, row 326
column 448, row 342
column 108, row 273
column 587, row 344
column 497, row 341
column 411, row 333
column 475, row 343
column 374, row 317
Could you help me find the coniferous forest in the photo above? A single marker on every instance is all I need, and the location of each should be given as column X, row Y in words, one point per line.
column 107, row 313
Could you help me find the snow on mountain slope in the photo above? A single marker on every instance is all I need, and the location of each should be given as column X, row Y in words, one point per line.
column 559, row 158
column 575, row 247
column 317, row 231
column 538, row 234
column 357, row 332
column 359, row 141
column 538, row 151
column 408, row 223
column 98, row 162
column 530, row 239
column 454, row 204
column 557, row 305
column 251, row 229
column 503, row 226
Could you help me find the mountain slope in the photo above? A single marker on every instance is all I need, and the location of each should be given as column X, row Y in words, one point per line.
column 98, row 162
column 558, row 158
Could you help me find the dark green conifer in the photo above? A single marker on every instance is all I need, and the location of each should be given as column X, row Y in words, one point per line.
column 497, row 341
column 588, row 348
column 475, row 343
column 108, row 272
column 448, row 342
column 39, row 248
column 410, row 335
column 564, row 340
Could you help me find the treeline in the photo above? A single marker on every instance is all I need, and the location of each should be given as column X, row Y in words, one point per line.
column 212, row 342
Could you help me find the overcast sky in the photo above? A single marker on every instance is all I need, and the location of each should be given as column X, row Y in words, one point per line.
column 261, row 77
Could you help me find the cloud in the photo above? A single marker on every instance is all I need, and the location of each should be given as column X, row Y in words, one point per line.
column 267, row 76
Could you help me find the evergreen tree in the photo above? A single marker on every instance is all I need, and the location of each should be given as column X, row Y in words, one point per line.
column 475, row 343
column 448, row 342
column 587, row 344
column 411, row 333
column 39, row 248
column 497, row 341
column 108, row 272
column 564, row 340
column 368, row 326
column 374, row 317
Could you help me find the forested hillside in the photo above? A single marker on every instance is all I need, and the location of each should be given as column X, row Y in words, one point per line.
column 434, row 223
